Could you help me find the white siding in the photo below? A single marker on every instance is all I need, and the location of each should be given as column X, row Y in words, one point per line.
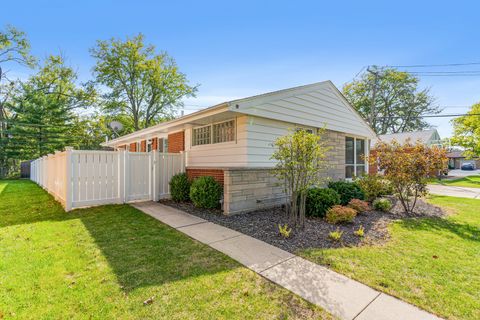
column 217, row 155
column 316, row 105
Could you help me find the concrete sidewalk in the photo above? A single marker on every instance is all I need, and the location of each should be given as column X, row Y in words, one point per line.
column 339, row 295
column 454, row 191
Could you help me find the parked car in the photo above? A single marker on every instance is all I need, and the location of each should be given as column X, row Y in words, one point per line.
column 468, row 166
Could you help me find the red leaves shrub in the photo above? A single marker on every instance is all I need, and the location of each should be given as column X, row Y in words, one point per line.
column 340, row 214
column 359, row 205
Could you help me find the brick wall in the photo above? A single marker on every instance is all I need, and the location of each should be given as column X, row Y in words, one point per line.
column 143, row 146
column 155, row 144
column 176, row 142
column 133, row 147
column 217, row 174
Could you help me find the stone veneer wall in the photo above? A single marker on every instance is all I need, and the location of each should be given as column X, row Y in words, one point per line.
column 249, row 189
column 336, row 155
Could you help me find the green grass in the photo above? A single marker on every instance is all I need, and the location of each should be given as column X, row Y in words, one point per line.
column 470, row 181
column 433, row 263
column 102, row 263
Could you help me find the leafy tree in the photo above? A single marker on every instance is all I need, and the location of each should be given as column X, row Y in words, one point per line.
column 43, row 110
column 407, row 167
column 466, row 132
column 146, row 85
column 390, row 100
column 301, row 157
column 14, row 48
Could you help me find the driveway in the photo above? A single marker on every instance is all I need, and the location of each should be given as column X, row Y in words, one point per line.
column 453, row 191
column 457, row 173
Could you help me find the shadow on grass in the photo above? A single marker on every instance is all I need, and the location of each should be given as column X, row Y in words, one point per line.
column 463, row 230
column 140, row 250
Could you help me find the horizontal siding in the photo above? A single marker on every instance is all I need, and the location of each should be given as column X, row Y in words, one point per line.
column 228, row 154
column 319, row 107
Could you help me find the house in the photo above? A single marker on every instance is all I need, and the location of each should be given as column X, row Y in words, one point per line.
column 233, row 141
column 456, row 158
column 428, row 137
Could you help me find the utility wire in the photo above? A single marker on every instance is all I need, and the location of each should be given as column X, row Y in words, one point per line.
column 435, row 65
column 432, row 116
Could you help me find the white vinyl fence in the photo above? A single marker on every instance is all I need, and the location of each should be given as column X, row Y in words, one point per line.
column 80, row 178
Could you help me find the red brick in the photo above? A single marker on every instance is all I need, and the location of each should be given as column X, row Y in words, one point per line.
column 217, row 174
column 176, row 142
column 133, row 147
column 155, row 144
column 143, row 146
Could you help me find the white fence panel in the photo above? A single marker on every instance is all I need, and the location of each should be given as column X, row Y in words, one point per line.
column 139, row 172
column 166, row 166
column 95, row 178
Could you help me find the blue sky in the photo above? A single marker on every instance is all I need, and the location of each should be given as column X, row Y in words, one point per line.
column 237, row 49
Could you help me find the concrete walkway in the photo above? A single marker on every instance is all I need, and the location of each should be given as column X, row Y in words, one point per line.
column 454, row 191
column 339, row 295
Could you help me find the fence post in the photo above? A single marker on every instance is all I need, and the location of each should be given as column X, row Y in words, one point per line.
column 121, row 175
column 155, row 176
column 126, row 175
column 68, row 179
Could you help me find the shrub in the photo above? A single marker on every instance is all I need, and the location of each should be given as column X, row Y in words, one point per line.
column 335, row 235
column 374, row 186
column 205, row 192
column 179, row 187
column 360, row 232
column 284, row 230
column 340, row 214
column 319, row 200
column 359, row 205
column 382, row 205
column 347, row 191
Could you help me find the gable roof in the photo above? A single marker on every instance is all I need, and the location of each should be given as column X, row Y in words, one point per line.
column 424, row 136
column 327, row 105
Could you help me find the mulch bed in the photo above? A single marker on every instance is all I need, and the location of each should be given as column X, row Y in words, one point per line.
column 263, row 225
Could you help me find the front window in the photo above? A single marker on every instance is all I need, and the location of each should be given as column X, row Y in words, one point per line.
column 354, row 157
column 214, row 133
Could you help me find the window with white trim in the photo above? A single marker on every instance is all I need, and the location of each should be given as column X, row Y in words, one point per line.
column 355, row 150
column 202, row 136
column 224, row 131
column 214, row 133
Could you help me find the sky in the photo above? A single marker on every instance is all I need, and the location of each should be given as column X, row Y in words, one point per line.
column 242, row 48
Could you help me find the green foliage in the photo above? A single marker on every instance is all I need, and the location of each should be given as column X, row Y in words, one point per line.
column 347, row 191
column 319, row 200
column 300, row 159
column 394, row 94
column 374, row 186
column 284, row 230
column 180, row 187
column 336, row 235
column 360, row 232
column 205, row 192
column 466, row 132
column 340, row 214
column 143, row 84
column 382, row 204
column 359, row 205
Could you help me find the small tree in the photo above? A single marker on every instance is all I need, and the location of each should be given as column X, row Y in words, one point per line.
column 300, row 158
column 407, row 167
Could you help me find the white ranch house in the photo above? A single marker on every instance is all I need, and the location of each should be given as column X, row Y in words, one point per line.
column 232, row 141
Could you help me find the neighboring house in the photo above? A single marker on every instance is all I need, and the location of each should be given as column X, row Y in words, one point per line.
column 233, row 141
column 428, row 137
column 456, row 158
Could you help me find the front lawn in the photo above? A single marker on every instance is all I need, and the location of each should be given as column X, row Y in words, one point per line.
column 104, row 262
column 470, row 181
column 431, row 262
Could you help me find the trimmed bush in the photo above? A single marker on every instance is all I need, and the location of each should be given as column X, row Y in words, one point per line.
column 340, row 214
column 374, row 186
column 359, row 205
column 319, row 200
column 382, row 204
column 205, row 192
column 347, row 191
column 180, row 187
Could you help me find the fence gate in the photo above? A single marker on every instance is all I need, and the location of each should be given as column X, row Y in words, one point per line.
column 138, row 175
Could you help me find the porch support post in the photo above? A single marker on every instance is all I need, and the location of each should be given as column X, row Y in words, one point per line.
column 155, row 176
